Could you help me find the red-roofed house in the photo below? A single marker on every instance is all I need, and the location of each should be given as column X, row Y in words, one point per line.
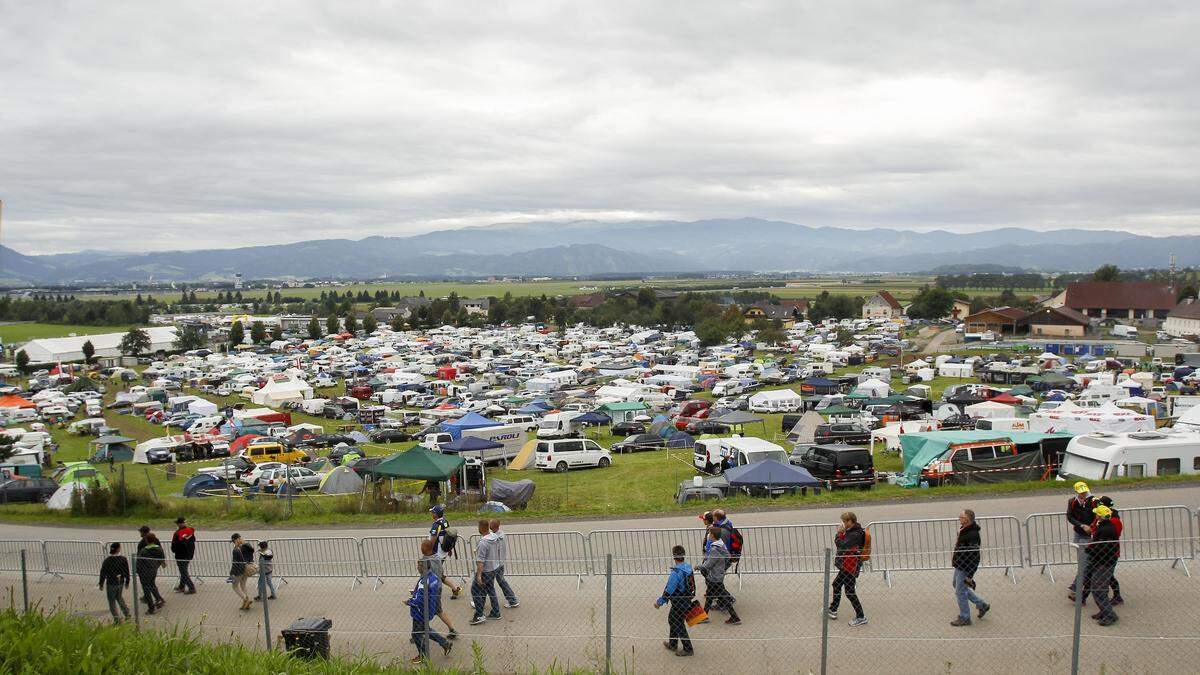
column 1136, row 301
column 1002, row 320
column 586, row 301
column 882, row 306
column 1057, row 322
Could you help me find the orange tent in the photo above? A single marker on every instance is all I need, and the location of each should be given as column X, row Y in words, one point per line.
column 14, row 401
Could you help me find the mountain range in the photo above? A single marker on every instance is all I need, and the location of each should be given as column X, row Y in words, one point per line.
column 586, row 248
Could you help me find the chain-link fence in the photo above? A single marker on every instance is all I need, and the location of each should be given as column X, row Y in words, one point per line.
column 592, row 602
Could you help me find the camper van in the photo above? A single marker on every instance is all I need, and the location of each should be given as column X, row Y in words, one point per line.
column 559, row 425
column 564, row 454
column 512, row 436
column 712, row 454
column 1099, row 456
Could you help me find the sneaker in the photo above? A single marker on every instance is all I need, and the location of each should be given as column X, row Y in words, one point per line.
column 1097, row 616
column 159, row 604
column 984, row 609
column 452, row 635
column 1118, row 600
column 494, row 616
column 684, row 652
column 258, row 597
column 177, row 590
column 270, row 597
column 417, row 659
column 670, row 647
column 832, row 614
column 1107, row 621
column 733, row 622
column 859, row 621
column 961, row 622
column 511, row 605
column 476, row 620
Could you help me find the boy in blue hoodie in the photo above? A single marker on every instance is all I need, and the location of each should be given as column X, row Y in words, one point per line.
column 680, row 592
column 426, row 595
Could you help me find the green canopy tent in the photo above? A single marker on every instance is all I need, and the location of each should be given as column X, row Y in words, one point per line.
column 839, row 410
column 919, row 449
column 420, row 463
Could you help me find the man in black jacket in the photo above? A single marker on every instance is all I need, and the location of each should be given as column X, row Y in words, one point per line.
column 965, row 562
column 1103, row 552
column 114, row 579
column 183, row 547
column 1080, row 517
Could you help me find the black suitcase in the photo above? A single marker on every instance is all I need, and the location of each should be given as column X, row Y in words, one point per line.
column 308, row 638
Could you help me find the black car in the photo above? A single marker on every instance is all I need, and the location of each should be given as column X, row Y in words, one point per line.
column 698, row 427
column 842, row 432
column 640, row 442
column 390, row 436
column 159, row 455
column 339, row 452
column 26, row 490
column 840, row 465
column 628, row 428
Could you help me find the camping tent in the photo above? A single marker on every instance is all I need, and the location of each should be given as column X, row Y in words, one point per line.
column 873, row 388
column 990, row 410
column 919, row 449
column 770, row 473
column 471, row 420
column 1069, row 417
column 202, row 483
column 61, row 499
column 806, row 429
column 776, row 400
column 202, row 407
column 14, row 401
column 420, row 463
column 282, row 388
column 525, row 458
column 341, row 481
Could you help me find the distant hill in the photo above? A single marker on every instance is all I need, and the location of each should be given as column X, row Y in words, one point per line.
column 593, row 248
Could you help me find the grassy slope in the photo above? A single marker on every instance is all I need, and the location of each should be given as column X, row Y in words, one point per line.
column 23, row 332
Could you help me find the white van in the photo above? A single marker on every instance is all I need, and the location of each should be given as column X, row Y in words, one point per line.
column 572, row 453
column 558, row 425
column 528, row 421
column 710, row 453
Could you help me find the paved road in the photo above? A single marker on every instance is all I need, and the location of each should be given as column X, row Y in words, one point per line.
column 561, row 619
column 938, row 344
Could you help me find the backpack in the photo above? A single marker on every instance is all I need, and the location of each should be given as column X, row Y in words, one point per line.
column 449, row 540
column 689, row 587
column 865, row 555
column 736, row 543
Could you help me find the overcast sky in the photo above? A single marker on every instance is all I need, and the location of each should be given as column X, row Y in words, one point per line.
column 140, row 126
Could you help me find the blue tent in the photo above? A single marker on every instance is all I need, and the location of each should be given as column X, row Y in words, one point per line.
column 821, row 385
column 594, row 417
column 469, row 444
column 770, row 473
column 471, row 420
column 205, row 482
column 680, row 439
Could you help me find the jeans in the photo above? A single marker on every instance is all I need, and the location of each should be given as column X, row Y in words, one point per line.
column 716, row 596
column 677, row 625
column 418, row 637
column 848, row 581
column 1100, row 577
column 481, row 592
column 509, row 596
column 965, row 595
column 268, row 581
column 1082, row 542
column 150, row 588
column 185, row 579
column 116, row 598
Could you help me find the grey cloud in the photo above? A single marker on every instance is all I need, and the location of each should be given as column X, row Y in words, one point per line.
column 139, row 126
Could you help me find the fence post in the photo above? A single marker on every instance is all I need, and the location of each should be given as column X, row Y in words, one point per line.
column 607, row 614
column 24, row 582
column 825, row 614
column 137, row 621
column 262, row 593
column 1080, row 589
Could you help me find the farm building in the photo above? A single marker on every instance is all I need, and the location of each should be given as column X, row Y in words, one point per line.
column 882, row 305
column 1057, row 322
column 1184, row 319
column 1125, row 300
column 54, row 350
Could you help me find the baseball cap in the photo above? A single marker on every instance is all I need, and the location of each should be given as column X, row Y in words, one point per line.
column 1102, row 511
column 180, row 520
column 438, row 510
column 1081, row 487
column 1107, row 501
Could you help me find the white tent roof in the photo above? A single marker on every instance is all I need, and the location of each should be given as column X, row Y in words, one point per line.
column 282, row 388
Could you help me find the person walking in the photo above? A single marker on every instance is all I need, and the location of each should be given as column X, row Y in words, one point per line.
column 716, row 561
column 266, row 569
column 1120, row 527
column 143, row 532
column 965, row 562
column 441, row 535
column 242, row 568
column 1103, row 552
column 680, row 591
column 423, row 605
column 1080, row 518
column 501, row 543
column 183, row 548
column 483, row 587
column 849, row 542
column 431, row 561
column 114, row 579
column 149, row 560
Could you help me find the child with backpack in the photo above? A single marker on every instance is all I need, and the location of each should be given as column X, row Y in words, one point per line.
column 681, row 593
column 444, row 541
column 852, row 550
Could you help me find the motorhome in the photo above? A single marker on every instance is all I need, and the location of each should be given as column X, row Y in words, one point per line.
column 510, row 436
column 1099, row 456
column 713, row 454
column 559, row 425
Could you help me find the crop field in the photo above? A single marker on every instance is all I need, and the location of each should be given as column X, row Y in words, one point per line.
column 13, row 333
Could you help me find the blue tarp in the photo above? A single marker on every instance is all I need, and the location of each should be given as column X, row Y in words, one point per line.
column 770, row 473
column 469, row 444
column 593, row 417
column 680, row 439
column 471, row 420
column 200, row 482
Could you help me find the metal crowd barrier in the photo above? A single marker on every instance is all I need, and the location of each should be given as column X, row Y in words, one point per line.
column 786, row 549
column 10, row 556
column 73, row 557
column 647, row 552
column 541, row 554
column 919, row 545
column 1153, row 533
column 317, row 558
column 396, row 557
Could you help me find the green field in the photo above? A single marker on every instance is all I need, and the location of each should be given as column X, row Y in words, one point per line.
column 15, row 333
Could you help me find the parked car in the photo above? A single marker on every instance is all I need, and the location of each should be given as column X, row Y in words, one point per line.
column 297, row 476
column 640, row 442
column 390, row 436
column 254, row 475
column 842, row 432
column 571, row 453
column 230, row 469
column 628, row 428
column 840, row 465
column 338, row 454
column 698, row 427
column 26, row 490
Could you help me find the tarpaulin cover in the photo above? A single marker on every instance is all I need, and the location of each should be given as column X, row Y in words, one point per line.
column 919, row 449
column 512, row 494
column 1008, row 468
column 770, row 473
